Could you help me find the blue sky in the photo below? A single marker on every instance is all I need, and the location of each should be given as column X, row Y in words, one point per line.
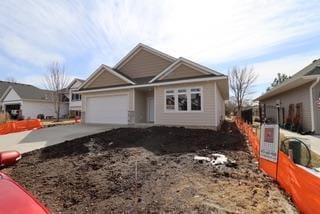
column 270, row 36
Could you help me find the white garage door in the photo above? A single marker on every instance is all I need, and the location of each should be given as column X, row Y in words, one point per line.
column 107, row 109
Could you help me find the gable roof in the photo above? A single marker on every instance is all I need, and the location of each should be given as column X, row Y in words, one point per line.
column 103, row 68
column 151, row 78
column 136, row 50
column 302, row 77
column 74, row 81
column 7, row 92
column 188, row 63
column 25, row 91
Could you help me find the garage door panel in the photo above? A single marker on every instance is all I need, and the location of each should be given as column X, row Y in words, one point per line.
column 108, row 109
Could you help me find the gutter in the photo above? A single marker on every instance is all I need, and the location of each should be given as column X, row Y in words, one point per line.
column 153, row 84
column 312, row 104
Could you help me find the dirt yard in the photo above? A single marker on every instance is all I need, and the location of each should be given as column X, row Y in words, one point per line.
column 150, row 170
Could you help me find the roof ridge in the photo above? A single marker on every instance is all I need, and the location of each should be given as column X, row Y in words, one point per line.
column 139, row 46
column 17, row 83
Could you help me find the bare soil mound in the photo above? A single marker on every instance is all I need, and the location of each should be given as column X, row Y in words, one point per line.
column 150, row 170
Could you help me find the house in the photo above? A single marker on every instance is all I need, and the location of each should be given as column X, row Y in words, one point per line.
column 298, row 100
column 75, row 102
column 148, row 86
column 27, row 100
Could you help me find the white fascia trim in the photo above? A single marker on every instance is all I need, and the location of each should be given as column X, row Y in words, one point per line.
column 6, row 93
column 91, row 76
column 196, row 65
column 186, row 62
column 315, row 76
column 136, row 49
column 95, row 74
column 118, row 75
column 74, row 81
column 155, row 84
column 266, row 95
column 312, row 104
column 295, row 77
column 71, row 84
column 165, row 70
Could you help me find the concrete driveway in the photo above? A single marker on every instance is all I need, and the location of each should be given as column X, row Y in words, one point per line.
column 31, row 140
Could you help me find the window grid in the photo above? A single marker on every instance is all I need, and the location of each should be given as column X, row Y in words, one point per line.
column 184, row 91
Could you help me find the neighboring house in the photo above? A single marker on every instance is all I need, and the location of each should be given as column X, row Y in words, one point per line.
column 75, row 102
column 148, row 86
column 298, row 99
column 28, row 100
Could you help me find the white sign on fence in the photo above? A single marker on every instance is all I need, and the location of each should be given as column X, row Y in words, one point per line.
column 269, row 142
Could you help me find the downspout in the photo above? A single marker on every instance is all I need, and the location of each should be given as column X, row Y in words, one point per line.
column 312, row 104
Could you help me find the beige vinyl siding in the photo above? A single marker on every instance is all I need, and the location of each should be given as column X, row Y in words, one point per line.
column 182, row 71
column 144, row 64
column 205, row 118
column 294, row 96
column 220, row 107
column 106, row 79
column 140, row 106
column 129, row 92
column 316, row 109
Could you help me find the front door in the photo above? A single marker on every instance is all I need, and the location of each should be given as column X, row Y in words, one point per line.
column 150, row 109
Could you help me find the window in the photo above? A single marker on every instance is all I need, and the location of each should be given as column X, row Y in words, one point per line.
column 183, row 100
column 170, row 100
column 195, row 99
column 75, row 97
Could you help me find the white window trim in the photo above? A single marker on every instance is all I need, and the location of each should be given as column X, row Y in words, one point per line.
column 74, row 94
column 165, row 100
column 175, row 93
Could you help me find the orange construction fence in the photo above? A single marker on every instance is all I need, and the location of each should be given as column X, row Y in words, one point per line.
column 19, row 126
column 302, row 185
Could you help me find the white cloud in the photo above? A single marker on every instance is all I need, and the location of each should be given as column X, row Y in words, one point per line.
column 36, row 31
column 213, row 31
column 18, row 48
column 289, row 65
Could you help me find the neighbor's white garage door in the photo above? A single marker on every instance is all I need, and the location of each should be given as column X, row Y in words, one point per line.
column 107, row 109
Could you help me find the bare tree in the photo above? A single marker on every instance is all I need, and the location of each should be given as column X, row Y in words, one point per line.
column 55, row 81
column 241, row 82
column 11, row 79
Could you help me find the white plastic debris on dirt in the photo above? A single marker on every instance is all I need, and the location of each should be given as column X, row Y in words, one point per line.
column 216, row 159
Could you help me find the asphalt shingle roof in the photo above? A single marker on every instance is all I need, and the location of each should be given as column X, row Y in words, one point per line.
column 26, row 91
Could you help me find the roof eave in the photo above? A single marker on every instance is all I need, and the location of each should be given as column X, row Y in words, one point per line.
column 157, row 84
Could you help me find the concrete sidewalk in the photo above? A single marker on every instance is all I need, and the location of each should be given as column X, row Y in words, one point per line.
column 312, row 141
column 36, row 139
